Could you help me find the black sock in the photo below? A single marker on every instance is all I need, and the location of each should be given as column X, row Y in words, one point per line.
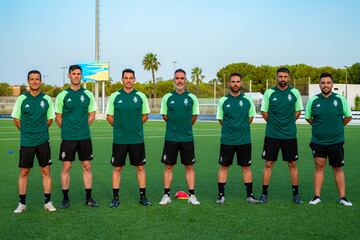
column 47, row 197
column 167, row 191
column 221, row 188
column 142, row 192
column 116, row 193
column 265, row 189
column 191, row 191
column 66, row 194
column 295, row 189
column 88, row 193
column 249, row 190
column 22, row 198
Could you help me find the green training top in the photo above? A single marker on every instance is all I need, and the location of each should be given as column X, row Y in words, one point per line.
column 75, row 107
column 235, row 113
column 281, row 106
column 128, row 109
column 33, row 113
column 179, row 109
column 327, row 115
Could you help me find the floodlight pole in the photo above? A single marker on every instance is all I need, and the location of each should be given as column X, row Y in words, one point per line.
column 63, row 68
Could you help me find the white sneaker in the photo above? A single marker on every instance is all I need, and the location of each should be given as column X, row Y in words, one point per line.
column 345, row 202
column 20, row 208
column 165, row 200
column 49, row 206
column 315, row 200
column 193, row 200
column 220, row 200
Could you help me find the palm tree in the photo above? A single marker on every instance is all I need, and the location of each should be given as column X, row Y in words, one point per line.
column 148, row 87
column 151, row 63
column 197, row 77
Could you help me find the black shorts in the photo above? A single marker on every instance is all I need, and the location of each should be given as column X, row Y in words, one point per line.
column 42, row 152
column 69, row 148
column 136, row 154
column 335, row 153
column 171, row 150
column 289, row 149
column 243, row 154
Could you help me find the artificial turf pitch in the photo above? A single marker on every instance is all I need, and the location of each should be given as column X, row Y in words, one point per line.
column 236, row 219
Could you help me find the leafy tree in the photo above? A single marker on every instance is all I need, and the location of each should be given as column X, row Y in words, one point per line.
column 5, row 89
column 354, row 73
column 197, row 78
column 23, row 88
column 152, row 64
column 357, row 103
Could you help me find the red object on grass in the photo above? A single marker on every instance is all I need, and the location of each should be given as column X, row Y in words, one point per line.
column 181, row 195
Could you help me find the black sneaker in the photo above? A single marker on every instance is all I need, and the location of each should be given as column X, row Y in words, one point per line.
column 145, row 202
column 252, row 199
column 65, row 204
column 91, row 203
column 115, row 203
column 263, row 198
column 297, row 199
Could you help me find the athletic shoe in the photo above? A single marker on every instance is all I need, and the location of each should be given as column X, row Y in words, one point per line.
column 297, row 199
column 115, row 202
column 252, row 199
column 315, row 200
column 20, row 208
column 263, row 198
column 220, row 200
column 91, row 203
column 49, row 206
column 145, row 202
column 165, row 200
column 342, row 201
column 193, row 200
column 65, row 204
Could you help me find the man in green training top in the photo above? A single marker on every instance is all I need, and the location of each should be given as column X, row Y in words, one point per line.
column 75, row 111
column 33, row 113
column 281, row 107
column 127, row 111
column 235, row 113
column 328, row 113
column 179, row 109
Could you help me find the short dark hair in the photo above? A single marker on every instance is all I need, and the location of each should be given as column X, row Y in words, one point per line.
column 180, row 70
column 283, row 70
column 74, row 67
column 127, row 70
column 33, row 72
column 326, row 74
column 235, row 74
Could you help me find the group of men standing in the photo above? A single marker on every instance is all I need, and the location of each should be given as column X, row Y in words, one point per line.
column 128, row 109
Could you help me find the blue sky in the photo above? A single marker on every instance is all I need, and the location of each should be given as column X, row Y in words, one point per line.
column 47, row 35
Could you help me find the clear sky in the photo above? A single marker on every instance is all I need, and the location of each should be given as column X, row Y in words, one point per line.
column 46, row 35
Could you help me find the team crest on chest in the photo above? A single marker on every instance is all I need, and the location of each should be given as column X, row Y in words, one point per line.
column 82, row 98
column 241, row 103
column 42, row 104
column 186, row 101
column 135, row 99
column 335, row 103
column 289, row 97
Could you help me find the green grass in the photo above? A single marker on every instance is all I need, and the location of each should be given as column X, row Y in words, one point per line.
column 279, row 219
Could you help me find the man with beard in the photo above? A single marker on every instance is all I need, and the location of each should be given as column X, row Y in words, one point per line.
column 33, row 113
column 75, row 111
column 127, row 111
column 281, row 107
column 235, row 113
column 328, row 113
column 179, row 109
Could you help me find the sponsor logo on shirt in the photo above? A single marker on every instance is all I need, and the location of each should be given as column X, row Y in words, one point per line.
column 241, row 103
column 120, row 101
column 317, row 105
column 335, row 103
column 69, row 100
column 274, row 99
column 27, row 106
column 172, row 102
column 228, row 106
column 42, row 104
